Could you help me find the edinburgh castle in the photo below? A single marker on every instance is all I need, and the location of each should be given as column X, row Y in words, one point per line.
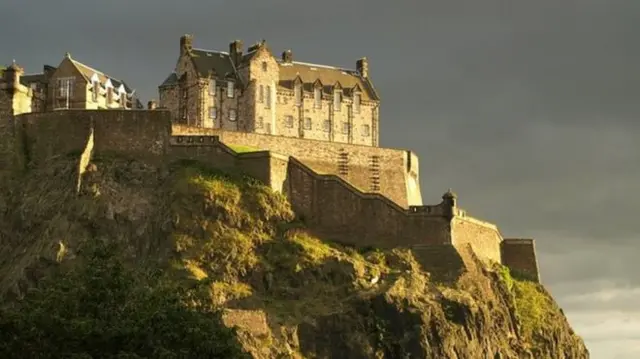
column 309, row 131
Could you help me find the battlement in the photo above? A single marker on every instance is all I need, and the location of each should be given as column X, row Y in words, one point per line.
column 337, row 206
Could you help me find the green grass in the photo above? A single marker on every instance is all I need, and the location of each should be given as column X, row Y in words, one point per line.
column 533, row 306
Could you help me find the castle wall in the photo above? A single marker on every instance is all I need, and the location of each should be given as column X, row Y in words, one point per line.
column 270, row 168
column 483, row 237
column 390, row 172
column 337, row 211
column 141, row 134
column 520, row 256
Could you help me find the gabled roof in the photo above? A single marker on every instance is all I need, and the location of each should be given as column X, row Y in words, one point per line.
column 172, row 79
column 216, row 62
column 310, row 73
column 88, row 72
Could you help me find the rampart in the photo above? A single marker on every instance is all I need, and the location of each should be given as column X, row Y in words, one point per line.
column 520, row 256
column 441, row 235
column 391, row 172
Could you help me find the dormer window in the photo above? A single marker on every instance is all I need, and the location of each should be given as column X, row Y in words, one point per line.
column 298, row 94
column 317, row 97
column 356, row 102
column 95, row 90
column 123, row 99
column 337, row 99
column 109, row 95
column 230, row 89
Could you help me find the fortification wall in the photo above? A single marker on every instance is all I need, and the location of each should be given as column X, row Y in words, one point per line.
column 483, row 237
column 391, row 172
column 268, row 167
column 141, row 134
column 337, row 211
column 520, row 256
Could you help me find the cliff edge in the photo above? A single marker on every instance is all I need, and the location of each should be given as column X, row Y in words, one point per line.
column 290, row 295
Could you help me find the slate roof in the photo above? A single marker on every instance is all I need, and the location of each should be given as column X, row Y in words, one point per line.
column 328, row 76
column 219, row 62
column 32, row 78
column 87, row 72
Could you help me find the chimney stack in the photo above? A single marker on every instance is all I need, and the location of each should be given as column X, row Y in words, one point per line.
column 235, row 51
column 186, row 44
column 287, row 57
column 48, row 70
column 151, row 105
column 362, row 66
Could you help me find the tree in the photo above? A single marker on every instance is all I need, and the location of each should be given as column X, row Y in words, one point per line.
column 104, row 309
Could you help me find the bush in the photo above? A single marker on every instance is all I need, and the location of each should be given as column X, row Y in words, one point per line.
column 105, row 310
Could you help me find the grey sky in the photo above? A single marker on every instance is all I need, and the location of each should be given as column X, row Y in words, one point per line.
column 529, row 110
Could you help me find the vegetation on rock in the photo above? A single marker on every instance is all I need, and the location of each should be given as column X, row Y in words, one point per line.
column 291, row 294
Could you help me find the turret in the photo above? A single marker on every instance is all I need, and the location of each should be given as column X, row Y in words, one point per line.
column 12, row 76
column 450, row 201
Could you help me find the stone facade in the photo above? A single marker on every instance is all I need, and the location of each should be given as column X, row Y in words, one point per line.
column 445, row 239
column 271, row 95
column 71, row 85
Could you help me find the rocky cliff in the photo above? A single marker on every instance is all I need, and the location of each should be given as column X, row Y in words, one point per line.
column 290, row 294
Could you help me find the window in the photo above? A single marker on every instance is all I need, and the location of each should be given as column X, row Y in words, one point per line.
column 356, row 103
column 110, row 95
column 337, row 100
column 317, row 97
column 307, row 123
column 366, row 130
column 260, row 122
column 265, row 67
column 65, row 87
column 212, row 100
column 298, row 94
column 230, row 89
column 261, row 94
column 345, row 127
column 327, row 126
column 212, row 87
column 123, row 99
column 268, row 97
column 95, row 91
column 268, row 128
column 288, row 121
column 232, row 115
column 213, row 112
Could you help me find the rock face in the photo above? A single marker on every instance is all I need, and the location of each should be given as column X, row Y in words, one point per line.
column 290, row 294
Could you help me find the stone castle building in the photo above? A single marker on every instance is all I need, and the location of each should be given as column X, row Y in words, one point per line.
column 255, row 92
column 71, row 85
column 307, row 131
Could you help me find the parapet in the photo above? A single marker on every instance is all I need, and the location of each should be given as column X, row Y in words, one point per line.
column 519, row 255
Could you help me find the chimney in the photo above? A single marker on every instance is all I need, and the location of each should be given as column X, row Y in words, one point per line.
column 287, row 57
column 48, row 70
column 362, row 66
column 12, row 75
column 151, row 105
column 235, row 51
column 186, row 44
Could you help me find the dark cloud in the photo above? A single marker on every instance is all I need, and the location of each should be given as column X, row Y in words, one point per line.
column 529, row 110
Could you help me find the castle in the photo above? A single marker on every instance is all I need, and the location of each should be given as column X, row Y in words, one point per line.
column 249, row 112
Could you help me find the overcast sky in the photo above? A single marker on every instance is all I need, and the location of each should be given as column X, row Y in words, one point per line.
column 529, row 110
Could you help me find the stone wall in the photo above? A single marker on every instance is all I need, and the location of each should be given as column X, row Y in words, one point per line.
column 391, row 172
column 483, row 237
column 520, row 256
column 268, row 167
column 141, row 134
column 337, row 211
